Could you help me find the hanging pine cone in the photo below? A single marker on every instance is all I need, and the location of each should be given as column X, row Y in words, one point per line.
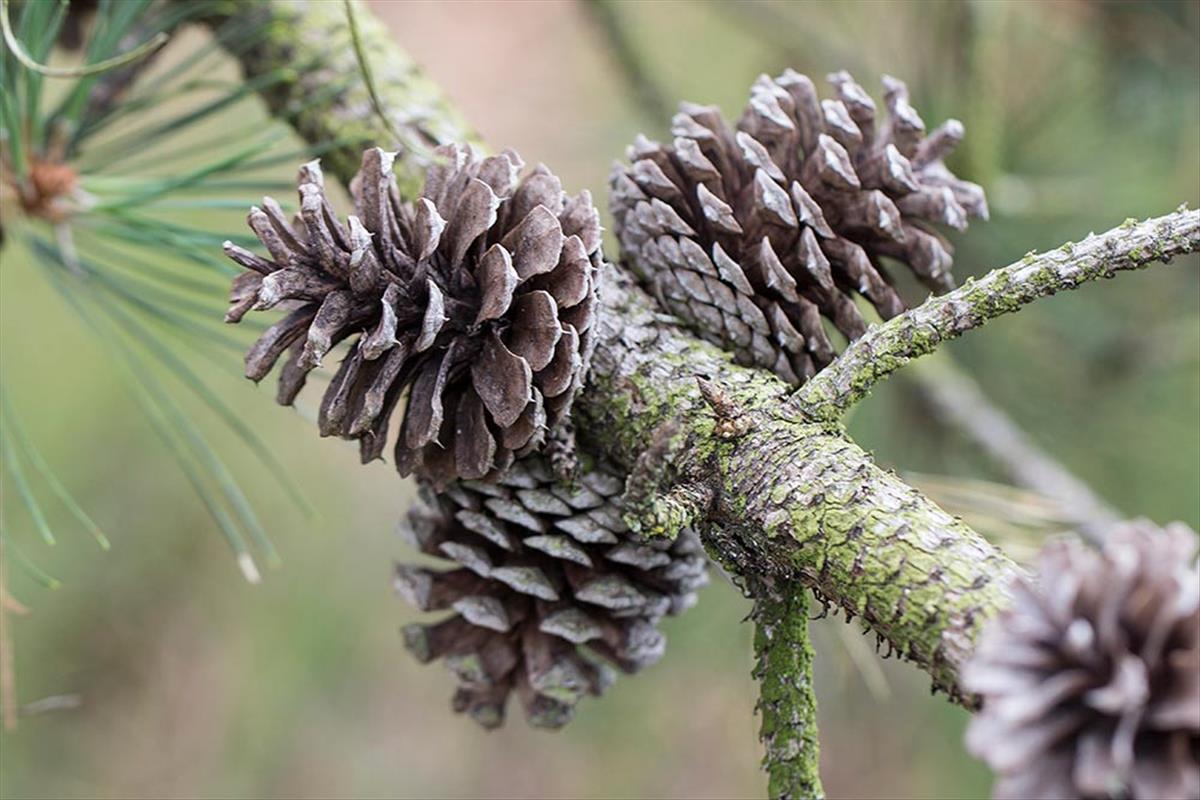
column 752, row 235
column 478, row 298
column 550, row 589
column 1091, row 681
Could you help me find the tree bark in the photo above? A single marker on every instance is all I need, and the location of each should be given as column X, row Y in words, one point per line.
column 784, row 668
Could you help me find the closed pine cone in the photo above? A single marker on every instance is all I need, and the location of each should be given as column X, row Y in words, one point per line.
column 752, row 234
column 549, row 590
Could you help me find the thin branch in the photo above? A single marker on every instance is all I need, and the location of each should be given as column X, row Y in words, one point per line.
column 959, row 402
column 888, row 347
column 784, row 670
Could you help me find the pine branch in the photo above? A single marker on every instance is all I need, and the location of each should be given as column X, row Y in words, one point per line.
column 955, row 397
column 784, row 669
column 775, row 492
column 314, row 40
column 888, row 347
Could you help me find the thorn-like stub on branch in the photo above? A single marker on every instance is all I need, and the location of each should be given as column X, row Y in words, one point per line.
column 732, row 422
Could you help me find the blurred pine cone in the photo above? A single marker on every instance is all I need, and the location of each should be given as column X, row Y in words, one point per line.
column 752, row 235
column 478, row 297
column 79, row 16
column 550, row 589
column 1091, row 681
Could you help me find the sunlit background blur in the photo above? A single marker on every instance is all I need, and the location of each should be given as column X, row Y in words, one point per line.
column 188, row 682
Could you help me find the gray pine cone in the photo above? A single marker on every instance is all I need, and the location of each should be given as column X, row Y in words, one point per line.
column 549, row 590
column 478, row 298
column 752, row 235
column 1091, row 681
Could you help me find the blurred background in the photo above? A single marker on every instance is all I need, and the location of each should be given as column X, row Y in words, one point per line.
column 183, row 680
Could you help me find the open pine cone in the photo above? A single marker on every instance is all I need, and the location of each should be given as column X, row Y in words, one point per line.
column 478, row 298
column 549, row 589
column 752, row 235
column 1091, row 681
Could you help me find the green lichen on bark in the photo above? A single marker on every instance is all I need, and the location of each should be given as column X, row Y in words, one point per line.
column 791, row 498
column 868, row 542
column 788, row 705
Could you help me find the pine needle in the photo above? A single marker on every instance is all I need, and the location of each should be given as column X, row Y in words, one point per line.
column 107, row 65
column 149, row 313
column 9, row 422
column 17, row 474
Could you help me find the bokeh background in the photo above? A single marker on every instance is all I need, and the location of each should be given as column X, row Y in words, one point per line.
column 188, row 682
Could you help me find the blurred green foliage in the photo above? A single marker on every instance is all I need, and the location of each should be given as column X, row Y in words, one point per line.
column 189, row 682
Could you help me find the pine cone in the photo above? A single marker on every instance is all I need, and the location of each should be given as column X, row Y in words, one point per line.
column 79, row 15
column 1091, row 681
column 752, row 235
column 550, row 589
column 479, row 297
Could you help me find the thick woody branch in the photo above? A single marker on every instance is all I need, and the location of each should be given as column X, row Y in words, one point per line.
column 888, row 347
column 786, row 497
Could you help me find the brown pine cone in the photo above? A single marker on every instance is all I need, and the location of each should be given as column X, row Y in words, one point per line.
column 479, row 298
column 752, row 235
column 1091, row 681
column 549, row 590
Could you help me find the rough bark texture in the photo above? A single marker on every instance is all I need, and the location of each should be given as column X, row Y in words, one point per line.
column 783, row 667
column 723, row 446
column 783, row 496
column 888, row 347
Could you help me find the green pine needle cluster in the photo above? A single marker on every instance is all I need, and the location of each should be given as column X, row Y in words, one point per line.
column 157, row 160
